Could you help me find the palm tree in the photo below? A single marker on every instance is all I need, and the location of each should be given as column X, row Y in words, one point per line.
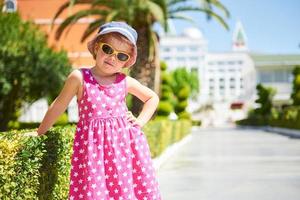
column 1, row 4
column 141, row 15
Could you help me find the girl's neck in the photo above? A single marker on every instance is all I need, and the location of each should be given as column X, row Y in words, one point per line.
column 97, row 72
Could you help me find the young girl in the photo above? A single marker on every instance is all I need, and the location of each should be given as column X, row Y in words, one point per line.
column 111, row 157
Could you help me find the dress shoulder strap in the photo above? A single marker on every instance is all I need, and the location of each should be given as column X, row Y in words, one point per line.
column 86, row 75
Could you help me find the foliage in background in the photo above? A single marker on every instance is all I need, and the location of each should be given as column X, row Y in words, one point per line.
column 296, row 86
column 265, row 97
column 265, row 112
column 288, row 117
column 29, row 69
column 267, row 115
column 167, row 98
column 184, row 85
column 194, row 84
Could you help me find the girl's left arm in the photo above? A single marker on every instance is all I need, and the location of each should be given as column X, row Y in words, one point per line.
column 146, row 95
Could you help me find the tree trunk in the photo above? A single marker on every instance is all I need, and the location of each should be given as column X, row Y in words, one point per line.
column 145, row 70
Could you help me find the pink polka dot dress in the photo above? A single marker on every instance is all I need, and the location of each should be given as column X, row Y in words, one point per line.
column 111, row 158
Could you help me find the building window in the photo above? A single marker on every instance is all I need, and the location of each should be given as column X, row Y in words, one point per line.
column 221, row 70
column 240, row 62
column 194, row 58
column 180, row 49
column 232, row 83
column 166, row 49
column 10, row 6
column 231, row 62
column 281, row 76
column 167, row 58
column 195, row 70
column 180, row 59
column 265, row 77
column 193, row 49
column 290, row 77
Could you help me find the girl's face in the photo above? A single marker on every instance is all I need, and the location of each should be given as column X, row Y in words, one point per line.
column 107, row 59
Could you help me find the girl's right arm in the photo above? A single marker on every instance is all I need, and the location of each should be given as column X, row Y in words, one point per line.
column 59, row 105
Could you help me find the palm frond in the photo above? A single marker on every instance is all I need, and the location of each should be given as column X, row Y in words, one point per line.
column 221, row 7
column 209, row 4
column 174, row 2
column 74, row 18
column 184, row 9
column 112, row 4
column 68, row 5
column 91, row 28
column 183, row 17
column 112, row 15
column 156, row 12
column 217, row 17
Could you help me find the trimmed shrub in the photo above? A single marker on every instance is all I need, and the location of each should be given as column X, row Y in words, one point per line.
column 164, row 108
column 39, row 167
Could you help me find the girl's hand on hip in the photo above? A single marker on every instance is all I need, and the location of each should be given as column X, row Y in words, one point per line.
column 132, row 119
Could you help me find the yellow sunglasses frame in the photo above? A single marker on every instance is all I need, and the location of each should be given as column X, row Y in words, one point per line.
column 115, row 52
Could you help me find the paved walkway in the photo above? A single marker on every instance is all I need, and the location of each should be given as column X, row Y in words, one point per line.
column 233, row 164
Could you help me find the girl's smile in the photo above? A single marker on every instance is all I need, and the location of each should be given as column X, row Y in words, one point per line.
column 108, row 63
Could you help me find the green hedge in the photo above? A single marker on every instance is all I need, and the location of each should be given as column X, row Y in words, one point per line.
column 254, row 121
column 288, row 117
column 39, row 167
column 20, row 161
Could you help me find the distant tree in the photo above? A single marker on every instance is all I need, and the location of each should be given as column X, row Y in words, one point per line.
column 296, row 86
column 29, row 70
column 184, row 85
column 166, row 104
column 265, row 97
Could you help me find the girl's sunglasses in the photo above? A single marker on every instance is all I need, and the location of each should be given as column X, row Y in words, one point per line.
column 109, row 50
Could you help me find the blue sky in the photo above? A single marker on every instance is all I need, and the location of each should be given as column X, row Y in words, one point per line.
column 271, row 26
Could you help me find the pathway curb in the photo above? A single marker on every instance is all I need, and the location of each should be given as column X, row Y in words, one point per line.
column 282, row 131
column 158, row 161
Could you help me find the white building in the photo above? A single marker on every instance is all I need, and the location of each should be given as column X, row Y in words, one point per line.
column 229, row 77
column 186, row 50
column 224, row 77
